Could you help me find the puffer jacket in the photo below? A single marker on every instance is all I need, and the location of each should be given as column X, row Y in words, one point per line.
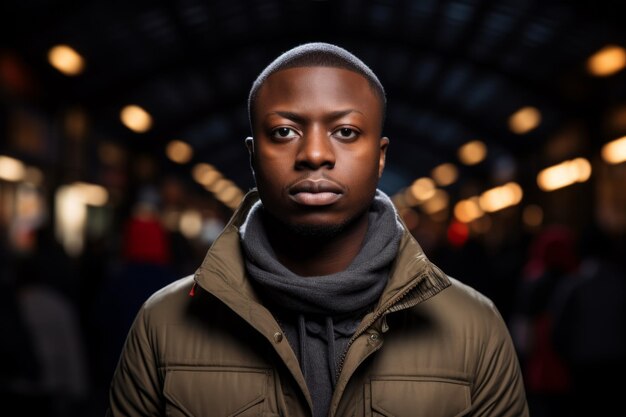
column 206, row 346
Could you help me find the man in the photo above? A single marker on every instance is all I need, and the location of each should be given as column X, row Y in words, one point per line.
column 316, row 300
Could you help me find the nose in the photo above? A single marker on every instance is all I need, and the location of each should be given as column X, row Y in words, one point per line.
column 315, row 150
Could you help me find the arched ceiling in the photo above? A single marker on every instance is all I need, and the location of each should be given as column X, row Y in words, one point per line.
column 454, row 70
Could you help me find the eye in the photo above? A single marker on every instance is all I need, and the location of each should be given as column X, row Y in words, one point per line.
column 284, row 133
column 346, row 133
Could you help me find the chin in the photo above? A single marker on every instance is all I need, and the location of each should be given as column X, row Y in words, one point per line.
column 317, row 230
column 312, row 227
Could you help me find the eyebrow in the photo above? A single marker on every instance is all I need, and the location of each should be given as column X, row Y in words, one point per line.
column 298, row 118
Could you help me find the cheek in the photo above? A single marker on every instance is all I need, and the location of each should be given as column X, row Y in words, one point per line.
column 266, row 158
column 362, row 166
column 274, row 157
column 269, row 176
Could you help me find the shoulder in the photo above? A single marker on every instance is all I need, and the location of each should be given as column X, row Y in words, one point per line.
column 463, row 310
column 171, row 292
column 168, row 302
column 467, row 298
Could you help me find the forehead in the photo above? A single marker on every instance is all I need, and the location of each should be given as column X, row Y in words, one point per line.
column 309, row 85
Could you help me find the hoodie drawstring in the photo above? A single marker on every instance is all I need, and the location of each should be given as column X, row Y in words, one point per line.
column 330, row 344
column 302, row 337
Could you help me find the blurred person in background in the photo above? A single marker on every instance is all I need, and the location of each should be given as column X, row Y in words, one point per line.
column 19, row 368
column 316, row 299
column 47, row 358
column 553, row 258
column 144, row 266
column 185, row 251
column 589, row 327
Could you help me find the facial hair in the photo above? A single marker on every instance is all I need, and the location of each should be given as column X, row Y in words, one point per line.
column 310, row 231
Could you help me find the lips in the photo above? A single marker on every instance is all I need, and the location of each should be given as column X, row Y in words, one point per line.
column 315, row 192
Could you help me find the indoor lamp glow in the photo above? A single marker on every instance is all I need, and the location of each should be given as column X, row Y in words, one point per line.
column 65, row 59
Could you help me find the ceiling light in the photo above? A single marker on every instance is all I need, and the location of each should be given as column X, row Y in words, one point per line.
column 501, row 197
column 564, row 174
column 218, row 186
column 190, row 223
column 437, row 203
column 200, row 169
column 229, row 194
column 179, row 151
column 472, row 152
column 210, row 178
column 65, row 59
column 607, row 61
column 11, row 169
column 422, row 189
column 467, row 211
column 524, row 120
column 614, row 152
column 136, row 118
column 445, row 174
column 91, row 194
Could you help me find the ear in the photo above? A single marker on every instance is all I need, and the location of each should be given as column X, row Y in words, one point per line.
column 250, row 146
column 384, row 144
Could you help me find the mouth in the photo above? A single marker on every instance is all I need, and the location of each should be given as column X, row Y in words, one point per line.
column 320, row 192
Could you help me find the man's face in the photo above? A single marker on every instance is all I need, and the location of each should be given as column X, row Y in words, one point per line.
column 317, row 151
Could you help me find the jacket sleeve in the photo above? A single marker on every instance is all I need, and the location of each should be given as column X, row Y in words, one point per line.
column 498, row 389
column 135, row 388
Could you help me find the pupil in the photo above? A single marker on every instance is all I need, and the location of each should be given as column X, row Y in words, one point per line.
column 345, row 131
column 283, row 131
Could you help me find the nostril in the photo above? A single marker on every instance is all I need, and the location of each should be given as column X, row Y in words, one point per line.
column 315, row 152
column 314, row 163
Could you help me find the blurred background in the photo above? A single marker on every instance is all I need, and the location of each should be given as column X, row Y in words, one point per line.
column 122, row 157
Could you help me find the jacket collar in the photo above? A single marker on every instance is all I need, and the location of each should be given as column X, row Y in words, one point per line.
column 413, row 277
column 225, row 257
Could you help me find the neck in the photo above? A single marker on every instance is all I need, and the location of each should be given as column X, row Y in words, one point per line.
column 313, row 255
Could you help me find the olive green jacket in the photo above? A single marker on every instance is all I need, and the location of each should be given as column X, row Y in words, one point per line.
column 205, row 346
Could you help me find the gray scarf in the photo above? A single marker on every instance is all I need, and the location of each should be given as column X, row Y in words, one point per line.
column 319, row 314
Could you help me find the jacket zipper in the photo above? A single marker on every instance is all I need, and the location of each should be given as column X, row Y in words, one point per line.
column 382, row 311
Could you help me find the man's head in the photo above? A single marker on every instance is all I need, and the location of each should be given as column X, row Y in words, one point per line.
column 317, row 154
column 317, row 54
